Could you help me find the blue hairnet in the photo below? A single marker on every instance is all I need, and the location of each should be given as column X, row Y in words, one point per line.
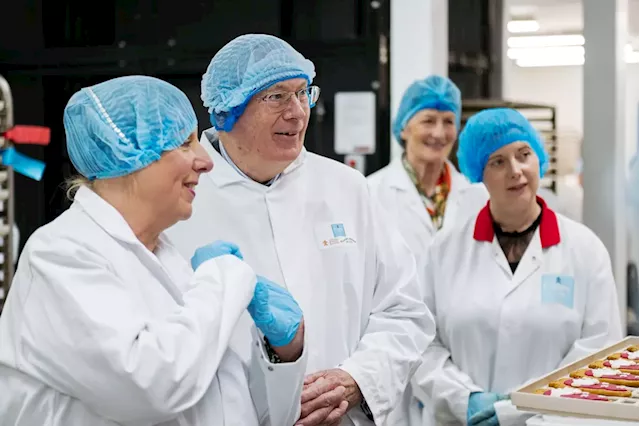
column 488, row 131
column 245, row 66
column 434, row 92
column 122, row 125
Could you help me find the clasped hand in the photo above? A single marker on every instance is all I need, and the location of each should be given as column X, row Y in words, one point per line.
column 327, row 396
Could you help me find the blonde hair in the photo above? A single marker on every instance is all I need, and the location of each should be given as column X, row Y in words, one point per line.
column 74, row 183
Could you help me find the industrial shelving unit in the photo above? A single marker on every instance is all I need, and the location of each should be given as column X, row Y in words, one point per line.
column 542, row 117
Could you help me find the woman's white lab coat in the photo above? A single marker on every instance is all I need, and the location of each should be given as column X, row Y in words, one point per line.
column 316, row 231
column 99, row 331
column 397, row 193
column 497, row 330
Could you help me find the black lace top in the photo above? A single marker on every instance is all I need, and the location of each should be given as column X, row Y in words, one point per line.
column 514, row 244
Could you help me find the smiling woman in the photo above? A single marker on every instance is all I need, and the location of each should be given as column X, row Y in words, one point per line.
column 422, row 190
column 122, row 329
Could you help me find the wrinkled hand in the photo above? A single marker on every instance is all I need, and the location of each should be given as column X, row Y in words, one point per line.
column 275, row 312
column 327, row 396
column 215, row 249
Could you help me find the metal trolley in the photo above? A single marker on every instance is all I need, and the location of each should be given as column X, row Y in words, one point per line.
column 6, row 195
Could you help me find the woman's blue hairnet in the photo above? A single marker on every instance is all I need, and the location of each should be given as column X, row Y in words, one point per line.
column 488, row 131
column 122, row 125
column 245, row 66
column 434, row 92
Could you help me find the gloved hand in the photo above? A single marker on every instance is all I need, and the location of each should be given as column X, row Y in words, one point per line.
column 275, row 312
column 215, row 249
column 481, row 411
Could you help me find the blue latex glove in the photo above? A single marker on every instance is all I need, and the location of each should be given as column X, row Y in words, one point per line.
column 215, row 249
column 275, row 312
column 481, row 411
column 486, row 417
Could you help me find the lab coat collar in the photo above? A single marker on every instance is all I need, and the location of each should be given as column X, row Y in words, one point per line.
column 224, row 173
column 549, row 230
column 105, row 215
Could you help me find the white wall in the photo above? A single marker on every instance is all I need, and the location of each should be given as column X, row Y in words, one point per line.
column 562, row 87
column 556, row 86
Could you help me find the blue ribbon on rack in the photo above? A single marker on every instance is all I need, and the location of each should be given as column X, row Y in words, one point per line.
column 27, row 166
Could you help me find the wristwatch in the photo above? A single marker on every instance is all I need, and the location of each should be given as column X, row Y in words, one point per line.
column 273, row 356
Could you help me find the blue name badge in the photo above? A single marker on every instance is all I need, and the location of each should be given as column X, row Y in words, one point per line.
column 557, row 289
column 338, row 230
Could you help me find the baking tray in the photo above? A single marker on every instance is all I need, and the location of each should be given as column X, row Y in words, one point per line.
column 618, row 409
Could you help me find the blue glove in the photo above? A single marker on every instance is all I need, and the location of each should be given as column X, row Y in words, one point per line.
column 486, row 417
column 275, row 312
column 215, row 249
column 481, row 411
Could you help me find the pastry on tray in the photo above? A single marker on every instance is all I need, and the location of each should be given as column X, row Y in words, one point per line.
column 607, row 375
column 571, row 393
column 633, row 348
column 633, row 356
column 589, row 384
column 624, row 365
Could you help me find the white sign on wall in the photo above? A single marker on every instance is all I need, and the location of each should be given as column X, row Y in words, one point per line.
column 355, row 123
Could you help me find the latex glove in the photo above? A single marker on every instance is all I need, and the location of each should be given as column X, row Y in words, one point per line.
column 486, row 417
column 275, row 312
column 215, row 249
column 481, row 411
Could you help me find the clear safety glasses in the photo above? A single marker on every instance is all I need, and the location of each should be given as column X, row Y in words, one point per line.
column 278, row 101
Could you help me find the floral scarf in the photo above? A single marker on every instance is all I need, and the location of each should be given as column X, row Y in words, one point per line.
column 436, row 203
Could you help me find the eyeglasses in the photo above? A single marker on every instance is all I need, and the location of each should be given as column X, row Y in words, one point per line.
column 278, row 101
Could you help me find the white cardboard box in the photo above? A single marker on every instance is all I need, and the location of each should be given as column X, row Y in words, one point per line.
column 619, row 409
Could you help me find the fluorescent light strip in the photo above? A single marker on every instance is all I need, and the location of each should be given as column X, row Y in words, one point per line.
column 546, row 40
column 549, row 62
column 558, row 56
column 523, row 26
column 555, row 52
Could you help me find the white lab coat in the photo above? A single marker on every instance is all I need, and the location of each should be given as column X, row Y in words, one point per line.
column 400, row 198
column 359, row 293
column 99, row 331
column 397, row 193
column 495, row 333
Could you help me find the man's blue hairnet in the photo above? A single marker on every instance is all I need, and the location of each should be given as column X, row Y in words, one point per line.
column 434, row 92
column 245, row 66
column 488, row 131
column 122, row 125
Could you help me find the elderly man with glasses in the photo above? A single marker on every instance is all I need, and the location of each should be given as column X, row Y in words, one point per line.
column 310, row 224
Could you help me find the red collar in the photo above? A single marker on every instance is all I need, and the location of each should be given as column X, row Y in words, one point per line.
column 549, row 231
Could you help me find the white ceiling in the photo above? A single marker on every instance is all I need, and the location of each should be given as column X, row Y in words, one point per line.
column 564, row 16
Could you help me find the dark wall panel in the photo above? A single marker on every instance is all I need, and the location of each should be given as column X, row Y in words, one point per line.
column 174, row 40
column 475, row 47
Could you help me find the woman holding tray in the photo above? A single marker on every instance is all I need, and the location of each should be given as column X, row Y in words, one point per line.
column 517, row 291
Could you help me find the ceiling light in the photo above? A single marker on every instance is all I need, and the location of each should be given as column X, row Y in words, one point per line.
column 550, row 52
column 523, row 26
column 546, row 40
column 550, row 62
